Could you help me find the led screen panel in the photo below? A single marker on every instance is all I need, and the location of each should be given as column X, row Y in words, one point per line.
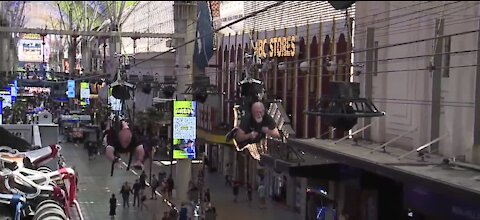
column 184, row 129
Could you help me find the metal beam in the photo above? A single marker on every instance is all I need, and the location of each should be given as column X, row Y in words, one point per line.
column 436, row 140
column 392, row 140
column 354, row 133
column 476, row 121
column 437, row 84
column 369, row 55
column 88, row 33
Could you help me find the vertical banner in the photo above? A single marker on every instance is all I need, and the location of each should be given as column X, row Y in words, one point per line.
column 71, row 89
column 14, row 91
column 184, row 129
column 84, row 93
column 1, row 113
column 84, row 90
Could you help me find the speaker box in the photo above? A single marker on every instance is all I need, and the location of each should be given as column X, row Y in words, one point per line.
column 345, row 90
column 341, row 5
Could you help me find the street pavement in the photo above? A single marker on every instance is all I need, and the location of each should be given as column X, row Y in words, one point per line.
column 96, row 187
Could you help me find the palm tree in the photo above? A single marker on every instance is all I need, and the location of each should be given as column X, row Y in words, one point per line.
column 151, row 119
column 92, row 16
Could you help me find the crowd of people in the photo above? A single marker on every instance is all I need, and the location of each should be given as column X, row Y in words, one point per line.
column 140, row 193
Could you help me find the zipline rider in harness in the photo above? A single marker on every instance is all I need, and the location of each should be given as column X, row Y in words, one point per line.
column 121, row 141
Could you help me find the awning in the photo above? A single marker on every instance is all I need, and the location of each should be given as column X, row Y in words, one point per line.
column 331, row 171
column 450, row 181
column 212, row 138
column 311, row 167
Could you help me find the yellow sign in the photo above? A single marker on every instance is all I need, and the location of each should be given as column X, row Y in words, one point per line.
column 277, row 47
column 32, row 36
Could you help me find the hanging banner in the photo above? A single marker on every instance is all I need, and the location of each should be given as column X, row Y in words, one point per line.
column 84, row 90
column 71, row 89
column 1, row 113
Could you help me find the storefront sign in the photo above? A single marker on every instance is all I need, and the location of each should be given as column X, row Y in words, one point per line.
column 276, row 47
column 35, row 90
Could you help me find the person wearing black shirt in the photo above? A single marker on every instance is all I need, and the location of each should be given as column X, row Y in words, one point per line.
column 113, row 206
column 255, row 126
column 136, row 193
column 124, row 142
column 165, row 216
column 170, row 186
column 143, row 180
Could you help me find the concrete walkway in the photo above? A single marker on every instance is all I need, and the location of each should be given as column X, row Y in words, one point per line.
column 96, row 187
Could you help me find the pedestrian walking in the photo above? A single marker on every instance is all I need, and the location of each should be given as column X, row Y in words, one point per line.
column 236, row 189
column 211, row 213
column 206, row 162
column 207, row 195
column 113, row 206
column 143, row 198
column 165, row 216
column 261, row 195
column 143, row 180
column 125, row 192
column 173, row 213
column 183, row 214
column 228, row 180
column 153, row 186
column 170, row 186
column 249, row 193
column 162, row 176
column 136, row 193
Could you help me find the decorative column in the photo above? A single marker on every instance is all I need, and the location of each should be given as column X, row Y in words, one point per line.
column 184, row 13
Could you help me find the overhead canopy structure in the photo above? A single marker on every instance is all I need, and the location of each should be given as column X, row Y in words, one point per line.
column 87, row 33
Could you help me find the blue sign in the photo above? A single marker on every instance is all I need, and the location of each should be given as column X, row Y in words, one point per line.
column 71, row 89
column 14, row 92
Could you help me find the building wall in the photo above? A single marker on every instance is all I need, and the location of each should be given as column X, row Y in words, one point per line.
column 152, row 17
column 288, row 14
column 298, row 90
column 403, row 87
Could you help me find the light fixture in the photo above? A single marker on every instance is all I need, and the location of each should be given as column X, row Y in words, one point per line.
column 282, row 66
column 331, row 66
column 304, row 66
